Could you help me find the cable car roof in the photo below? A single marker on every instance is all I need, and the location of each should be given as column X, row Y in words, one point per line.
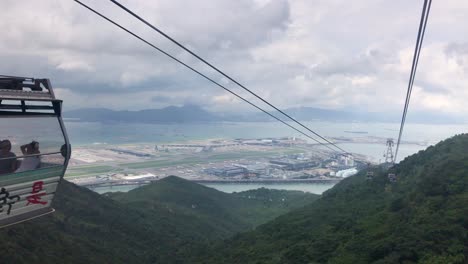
column 22, row 88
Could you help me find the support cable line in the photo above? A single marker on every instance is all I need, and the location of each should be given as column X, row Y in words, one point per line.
column 205, row 76
column 224, row 74
column 417, row 51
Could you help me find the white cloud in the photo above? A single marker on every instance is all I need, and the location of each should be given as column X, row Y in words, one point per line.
column 324, row 53
column 434, row 101
column 362, row 80
column 75, row 66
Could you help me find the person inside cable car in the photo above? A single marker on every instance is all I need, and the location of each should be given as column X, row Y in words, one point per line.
column 8, row 161
column 32, row 161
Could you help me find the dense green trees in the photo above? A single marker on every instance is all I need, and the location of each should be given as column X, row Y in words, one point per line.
column 160, row 223
column 422, row 218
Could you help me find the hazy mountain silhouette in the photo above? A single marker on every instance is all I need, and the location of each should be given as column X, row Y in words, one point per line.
column 193, row 113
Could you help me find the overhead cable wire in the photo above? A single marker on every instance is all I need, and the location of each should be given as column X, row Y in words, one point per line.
column 224, row 74
column 420, row 37
column 201, row 74
column 417, row 50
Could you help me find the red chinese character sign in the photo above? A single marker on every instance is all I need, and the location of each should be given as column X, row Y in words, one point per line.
column 36, row 194
column 26, row 200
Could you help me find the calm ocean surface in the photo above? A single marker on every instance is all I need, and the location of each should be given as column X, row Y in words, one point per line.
column 85, row 133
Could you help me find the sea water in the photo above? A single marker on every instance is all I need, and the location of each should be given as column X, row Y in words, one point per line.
column 87, row 133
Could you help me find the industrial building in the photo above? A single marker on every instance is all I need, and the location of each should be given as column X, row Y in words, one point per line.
column 257, row 169
column 227, row 171
column 294, row 164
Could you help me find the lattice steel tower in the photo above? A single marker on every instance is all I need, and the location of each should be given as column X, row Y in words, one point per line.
column 388, row 155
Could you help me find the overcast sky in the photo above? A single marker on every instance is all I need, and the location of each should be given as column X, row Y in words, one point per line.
column 332, row 54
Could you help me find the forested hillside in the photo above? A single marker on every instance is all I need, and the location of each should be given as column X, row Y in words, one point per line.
column 421, row 218
column 220, row 213
column 151, row 224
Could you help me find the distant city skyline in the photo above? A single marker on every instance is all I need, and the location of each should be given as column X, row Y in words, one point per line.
column 323, row 54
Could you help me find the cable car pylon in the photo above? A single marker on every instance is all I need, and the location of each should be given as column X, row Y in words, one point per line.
column 388, row 154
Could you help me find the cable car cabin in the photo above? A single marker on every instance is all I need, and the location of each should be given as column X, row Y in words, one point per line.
column 392, row 177
column 34, row 148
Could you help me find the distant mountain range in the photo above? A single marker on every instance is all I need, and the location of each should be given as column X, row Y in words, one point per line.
column 171, row 114
column 193, row 113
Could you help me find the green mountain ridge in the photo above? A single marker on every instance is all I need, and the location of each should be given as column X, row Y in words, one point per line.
column 422, row 218
column 235, row 212
column 157, row 223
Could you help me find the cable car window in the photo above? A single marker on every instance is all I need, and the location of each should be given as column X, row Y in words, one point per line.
column 34, row 148
column 30, row 143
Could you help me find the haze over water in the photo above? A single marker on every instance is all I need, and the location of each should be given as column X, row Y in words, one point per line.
column 86, row 133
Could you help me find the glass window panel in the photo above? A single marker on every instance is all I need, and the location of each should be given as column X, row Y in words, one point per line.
column 20, row 131
column 27, row 143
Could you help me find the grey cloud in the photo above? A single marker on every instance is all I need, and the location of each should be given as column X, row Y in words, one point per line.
column 161, row 99
column 205, row 25
column 457, row 48
column 332, row 54
column 458, row 51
